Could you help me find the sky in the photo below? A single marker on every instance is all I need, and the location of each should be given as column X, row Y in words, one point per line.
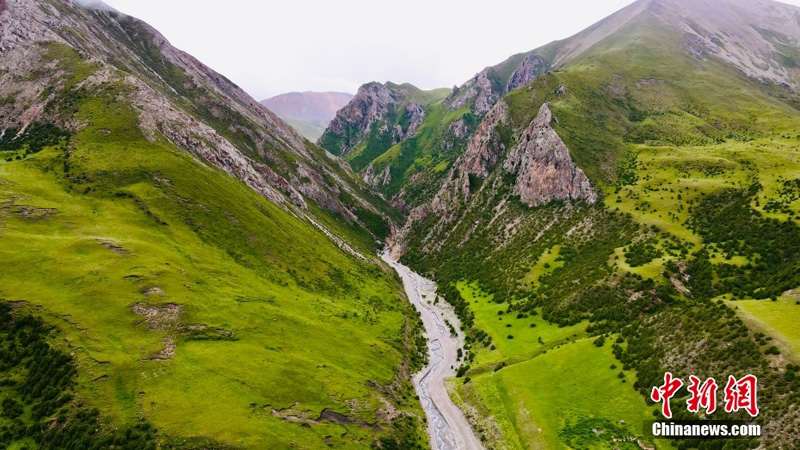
column 271, row 47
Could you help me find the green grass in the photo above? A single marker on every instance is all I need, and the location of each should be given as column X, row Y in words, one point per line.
column 692, row 161
column 546, row 264
column 526, row 390
column 532, row 402
column 777, row 319
column 133, row 222
column 673, row 179
column 526, row 331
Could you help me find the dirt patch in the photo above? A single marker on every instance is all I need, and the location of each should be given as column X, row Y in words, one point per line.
column 101, row 378
column 333, row 416
column 166, row 319
column 168, row 352
column 159, row 318
column 305, row 418
column 114, row 247
column 649, row 82
column 163, row 180
column 155, row 290
column 33, row 214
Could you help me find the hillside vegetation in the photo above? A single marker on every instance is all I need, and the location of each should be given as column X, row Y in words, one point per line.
column 695, row 164
column 180, row 269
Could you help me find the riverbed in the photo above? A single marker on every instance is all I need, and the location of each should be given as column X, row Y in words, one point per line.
column 447, row 426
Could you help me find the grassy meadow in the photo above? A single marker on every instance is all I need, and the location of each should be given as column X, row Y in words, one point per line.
column 776, row 319
column 191, row 302
column 547, row 386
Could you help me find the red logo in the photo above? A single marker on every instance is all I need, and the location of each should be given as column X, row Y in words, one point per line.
column 741, row 394
column 704, row 395
column 665, row 393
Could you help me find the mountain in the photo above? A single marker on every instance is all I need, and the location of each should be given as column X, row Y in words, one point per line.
column 628, row 203
column 759, row 38
column 174, row 254
column 308, row 112
column 377, row 119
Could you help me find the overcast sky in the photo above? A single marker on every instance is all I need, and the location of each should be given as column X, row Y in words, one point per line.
column 271, row 47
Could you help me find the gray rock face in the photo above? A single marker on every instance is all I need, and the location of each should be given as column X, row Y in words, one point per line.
column 352, row 123
column 532, row 66
column 478, row 90
column 544, row 168
column 456, row 133
column 375, row 103
column 377, row 179
column 415, row 114
column 481, row 93
column 484, row 149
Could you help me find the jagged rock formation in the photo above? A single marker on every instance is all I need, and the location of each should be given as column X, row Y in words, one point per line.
column 532, row 66
column 376, row 179
column 540, row 162
column 378, row 105
column 544, row 169
column 484, row 149
column 175, row 95
column 483, row 90
column 478, row 92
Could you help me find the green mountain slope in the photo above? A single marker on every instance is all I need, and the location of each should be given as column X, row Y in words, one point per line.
column 693, row 162
column 209, row 274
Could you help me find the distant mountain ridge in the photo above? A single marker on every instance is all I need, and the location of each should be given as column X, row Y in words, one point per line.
column 308, row 112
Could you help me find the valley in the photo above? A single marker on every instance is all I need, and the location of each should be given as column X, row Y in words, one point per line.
column 448, row 428
column 513, row 263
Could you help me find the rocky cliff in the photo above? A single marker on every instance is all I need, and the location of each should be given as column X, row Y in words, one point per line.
column 543, row 167
column 483, row 90
column 484, row 149
column 532, row 66
column 388, row 113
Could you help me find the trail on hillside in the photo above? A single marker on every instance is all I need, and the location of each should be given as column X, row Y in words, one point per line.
column 447, row 425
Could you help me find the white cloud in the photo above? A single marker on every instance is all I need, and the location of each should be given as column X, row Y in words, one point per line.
column 271, row 47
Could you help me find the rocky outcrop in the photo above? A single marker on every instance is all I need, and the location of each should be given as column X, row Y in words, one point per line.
column 483, row 90
column 414, row 116
column 455, row 135
column 377, row 179
column 543, row 166
column 352, row 124
column 477, row 93
column 390, row 110
column 484, row 149
column 532, row 66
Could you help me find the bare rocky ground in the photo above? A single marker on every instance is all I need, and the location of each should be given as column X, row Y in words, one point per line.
column 447, row 425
